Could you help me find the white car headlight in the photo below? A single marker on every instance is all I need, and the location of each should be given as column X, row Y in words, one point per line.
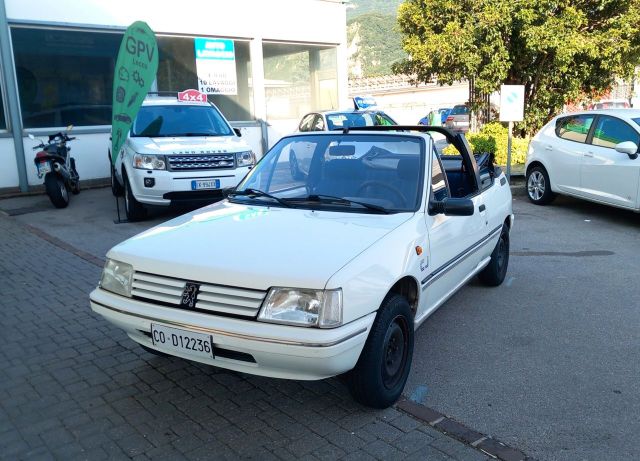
column 117, row 277
column 149, row 162
column 245, row 158
column 309, row 308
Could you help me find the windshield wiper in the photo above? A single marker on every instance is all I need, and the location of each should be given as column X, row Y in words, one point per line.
column 249, row 192
column 332, row 198
column 200, row 134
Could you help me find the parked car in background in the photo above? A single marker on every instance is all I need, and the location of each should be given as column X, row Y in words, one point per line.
column 610, row 104
column 329, row 273
column 336, row 120
column 178, row 152
column 458, row 119
column 591, row 155
column 443, row 113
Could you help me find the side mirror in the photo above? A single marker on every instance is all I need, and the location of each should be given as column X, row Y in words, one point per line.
column 452, row 207
column 629, row 148
column 32, row 137
column 238, row 132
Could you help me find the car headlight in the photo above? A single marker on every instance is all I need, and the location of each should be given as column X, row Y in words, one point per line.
column 117, row 277
column 245, row 158
column 309, row 308
column 149, row 162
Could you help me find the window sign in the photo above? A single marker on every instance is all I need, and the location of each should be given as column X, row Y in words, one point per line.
column 216, row 66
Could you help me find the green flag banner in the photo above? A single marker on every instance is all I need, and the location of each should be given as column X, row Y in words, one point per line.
column 135, row 71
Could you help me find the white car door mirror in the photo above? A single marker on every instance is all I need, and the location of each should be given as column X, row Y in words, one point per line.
column 451, row 206
column 629, row 148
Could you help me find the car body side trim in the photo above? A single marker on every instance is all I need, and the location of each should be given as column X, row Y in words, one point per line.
column 214, row 331
column 446, row 267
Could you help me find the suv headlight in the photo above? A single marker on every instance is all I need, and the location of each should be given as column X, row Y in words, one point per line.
column 117, row 277
column 245, row 158
column 308, row 308
column 149, row 162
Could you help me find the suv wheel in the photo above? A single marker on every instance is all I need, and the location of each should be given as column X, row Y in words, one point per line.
column 538, row 186
column 135, row 210
column 382, row 370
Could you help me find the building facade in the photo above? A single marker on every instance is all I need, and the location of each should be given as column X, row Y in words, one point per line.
column 57, row 66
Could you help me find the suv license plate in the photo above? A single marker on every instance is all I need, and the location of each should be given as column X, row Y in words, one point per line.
column 198, row 184
column 186, row 342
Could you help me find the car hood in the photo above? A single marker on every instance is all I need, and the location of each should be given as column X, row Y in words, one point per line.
column 187, row 145
column 254, row 246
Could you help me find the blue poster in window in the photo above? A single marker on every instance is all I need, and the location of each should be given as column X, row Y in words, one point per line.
column 216, row 66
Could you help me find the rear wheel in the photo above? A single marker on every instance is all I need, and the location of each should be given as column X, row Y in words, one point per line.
column 382, row 370
column 495, row 272
column 538, row 186
column 56, row 190
column 135, row 210
column 74, row 182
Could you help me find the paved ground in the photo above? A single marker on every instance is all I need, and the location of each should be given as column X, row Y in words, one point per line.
column 546, row 363
column 74, row 387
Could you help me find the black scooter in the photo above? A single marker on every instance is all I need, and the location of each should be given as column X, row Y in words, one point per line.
column 58, row 168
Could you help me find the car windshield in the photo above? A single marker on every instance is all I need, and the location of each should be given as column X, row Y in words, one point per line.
column 179, row 120
column 364, row 173
column 336, row 121
column 636, row 120
column 459, row 110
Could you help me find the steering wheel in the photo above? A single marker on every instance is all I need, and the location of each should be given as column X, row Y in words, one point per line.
column 383, row 185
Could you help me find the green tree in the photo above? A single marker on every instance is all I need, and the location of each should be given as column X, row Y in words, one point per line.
column 561, row 50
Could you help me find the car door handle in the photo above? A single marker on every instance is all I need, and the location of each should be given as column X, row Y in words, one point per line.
column 588, row 154
column 482, row 208
column 548, row 147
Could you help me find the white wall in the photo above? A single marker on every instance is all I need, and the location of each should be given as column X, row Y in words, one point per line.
column 9, row 168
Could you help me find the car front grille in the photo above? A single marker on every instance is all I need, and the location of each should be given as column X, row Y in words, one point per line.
column 218, row 299
column 201, row 162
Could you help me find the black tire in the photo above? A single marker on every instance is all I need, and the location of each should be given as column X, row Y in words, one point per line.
column 135, row 210
column 116, row 188
column 538, row 186
column 56, row 190
column 495, row 272
column 381, row 373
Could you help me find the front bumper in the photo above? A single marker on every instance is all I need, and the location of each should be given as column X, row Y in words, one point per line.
column 175, row 186
column 277, row 351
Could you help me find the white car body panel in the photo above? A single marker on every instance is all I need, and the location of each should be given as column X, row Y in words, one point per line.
column 257, row 247
column 587, row 171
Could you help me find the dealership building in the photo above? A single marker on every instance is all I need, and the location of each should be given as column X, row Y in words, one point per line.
column 57, row 64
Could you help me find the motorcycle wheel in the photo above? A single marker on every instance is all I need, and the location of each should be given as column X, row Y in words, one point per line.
column 56, row 190
column 74, row 183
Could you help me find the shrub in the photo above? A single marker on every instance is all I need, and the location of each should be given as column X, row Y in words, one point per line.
column 493, row 138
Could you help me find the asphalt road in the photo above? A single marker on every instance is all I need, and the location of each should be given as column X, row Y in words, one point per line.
column 547, row 363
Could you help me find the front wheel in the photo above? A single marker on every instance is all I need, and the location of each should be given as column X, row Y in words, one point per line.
column 56, row 190
column 135, row 210
column 538, row 186
column 381, row 373
column 495, row 272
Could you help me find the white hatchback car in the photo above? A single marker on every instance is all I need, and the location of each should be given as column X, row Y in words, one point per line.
column 178, row 152
column 591, row 155
column 322, row 273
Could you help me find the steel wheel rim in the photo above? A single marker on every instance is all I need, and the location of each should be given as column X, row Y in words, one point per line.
column 536, row 185
column 63, row 191
column 126, row 195
column 395, row 350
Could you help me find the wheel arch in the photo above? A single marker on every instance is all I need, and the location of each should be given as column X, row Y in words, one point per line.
column 540, row 164
column 407, row 287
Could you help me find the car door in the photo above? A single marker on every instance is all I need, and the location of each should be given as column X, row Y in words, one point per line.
column 565, row 150
column 454, row 242
column 607, row 175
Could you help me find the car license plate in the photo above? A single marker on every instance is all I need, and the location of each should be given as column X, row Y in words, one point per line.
column 186, row 342
column 43, row 168
column 198, row 184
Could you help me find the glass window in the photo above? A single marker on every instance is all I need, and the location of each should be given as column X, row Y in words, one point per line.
column 439, row 188
column 610, row 131
column 299, row 79
column 574, row 127
column 459, row 110
column 305, row 124
column 64, row 77
column 339, row 120
column 318, row 123
column 178, row 120
column 334, row 171
column 177, row 72
column 3, row 122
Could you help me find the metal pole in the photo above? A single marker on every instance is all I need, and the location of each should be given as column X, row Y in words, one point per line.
column 509, row 152
column 11, row 92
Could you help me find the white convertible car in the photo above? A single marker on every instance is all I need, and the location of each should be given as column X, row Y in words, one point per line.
column 324, row 273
